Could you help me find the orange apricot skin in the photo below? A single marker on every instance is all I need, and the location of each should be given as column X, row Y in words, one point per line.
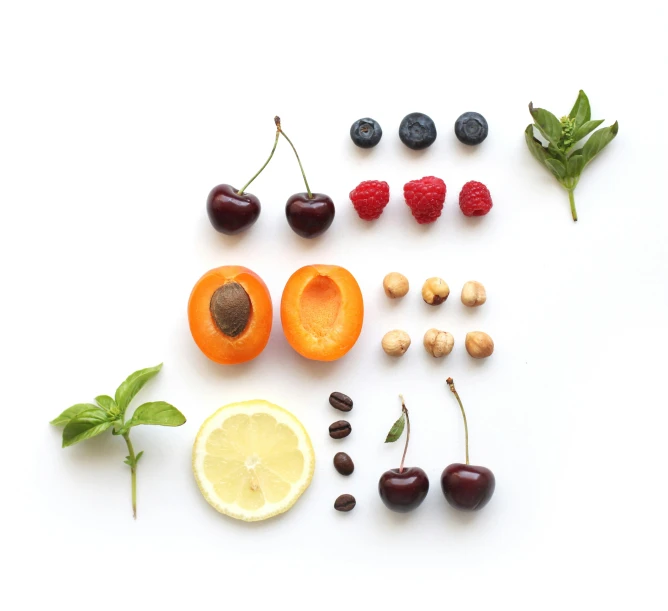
column 208, row 337
column 348, row 326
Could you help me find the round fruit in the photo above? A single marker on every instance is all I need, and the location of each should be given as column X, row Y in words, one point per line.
column 322, row 311
column 475, row 199
column 471, row 128
column 405, row 490
column 230, row 314
column 366, row 133
column 467, row 487
column 417, row 131
column 309, row 217
column 229, row 212
column 252, row 460
column 369, row 198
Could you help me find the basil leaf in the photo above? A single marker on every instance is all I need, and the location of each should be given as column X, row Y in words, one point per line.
column 105, row 402
column 575, row 165
column 556, row 167
column 396, row 430
column 598, row 141
column 585, row 129
column 581, row 111
column 157, row 412
column 71, row 412
column 85, row 425
column 547, row 124
column 133, row 384
column 536, row 148
column 133, row 463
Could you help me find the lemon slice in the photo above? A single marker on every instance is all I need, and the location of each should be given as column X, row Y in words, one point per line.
column 252, row 460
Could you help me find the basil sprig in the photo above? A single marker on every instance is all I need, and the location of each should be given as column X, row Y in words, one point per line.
column 562, row 156
column 85, row 420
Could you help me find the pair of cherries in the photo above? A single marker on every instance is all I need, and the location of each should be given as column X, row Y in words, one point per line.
column 466, row 487
column 232, row 210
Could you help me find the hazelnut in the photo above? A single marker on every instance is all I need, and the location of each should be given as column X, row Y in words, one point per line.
column 395, row 285
column 395, row 343
column 435, row 291
column 438, row 343
column 479, row 345
column 473, row 294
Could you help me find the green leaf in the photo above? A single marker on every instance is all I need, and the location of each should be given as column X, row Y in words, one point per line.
column 556, row 167
column 581, row 110
column 537, row 149
column 157, row 412
column 139, row 455
column 598, row 141
column 133, row 384
column 71, row 412
column 396, row 430
column 106, row 402
column 85, row 425
column 575, row 165
column 585, row 129
column 547, row 124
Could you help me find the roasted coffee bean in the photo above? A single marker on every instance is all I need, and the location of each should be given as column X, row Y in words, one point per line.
column 346, row 502
column 343, row 463
column 340, row 429
column 340, row 401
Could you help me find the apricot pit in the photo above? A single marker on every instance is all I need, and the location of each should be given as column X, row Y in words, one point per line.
column 230, row 307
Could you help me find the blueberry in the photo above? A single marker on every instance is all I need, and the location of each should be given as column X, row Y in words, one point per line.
column 471, row 128
column 366, row 133
column 417, row 131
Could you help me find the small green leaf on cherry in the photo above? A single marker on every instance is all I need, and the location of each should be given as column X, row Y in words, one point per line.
column 397, row 429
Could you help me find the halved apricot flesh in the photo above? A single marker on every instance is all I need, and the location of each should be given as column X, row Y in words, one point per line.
column 230, row 314
column 322, row 311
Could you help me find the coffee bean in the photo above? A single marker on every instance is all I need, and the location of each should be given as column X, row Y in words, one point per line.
column 343, row 463
column 346, row 502
column 340, row 429
column 340, row 401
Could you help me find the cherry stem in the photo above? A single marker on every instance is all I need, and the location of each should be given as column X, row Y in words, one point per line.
column 280, row 129
column 451, row 384
column 408, row 432
column 241, row 191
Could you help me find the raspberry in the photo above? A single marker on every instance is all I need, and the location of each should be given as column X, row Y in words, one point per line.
column 474, row 199
column 370, row 198
column 425, row 198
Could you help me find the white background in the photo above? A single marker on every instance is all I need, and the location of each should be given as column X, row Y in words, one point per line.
column 118, row 118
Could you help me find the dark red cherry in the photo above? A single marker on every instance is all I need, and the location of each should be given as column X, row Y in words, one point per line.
column 467, row 487
column 229, row 212
column 309, row 216
column 405, row 490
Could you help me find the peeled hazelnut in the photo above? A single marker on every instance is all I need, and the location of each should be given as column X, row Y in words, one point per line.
column 473, row 294
column 395, row 343
column 438, row 343
column 479, row 345
column 395, row 285
column 435, row 291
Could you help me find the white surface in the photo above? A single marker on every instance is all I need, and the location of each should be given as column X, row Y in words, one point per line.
column 117, row 119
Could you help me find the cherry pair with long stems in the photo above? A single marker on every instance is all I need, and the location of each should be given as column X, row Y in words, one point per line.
column 466, row 487
column 232, row 211
column 405, row 488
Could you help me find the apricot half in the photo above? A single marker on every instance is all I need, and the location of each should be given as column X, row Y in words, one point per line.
column 322, row 311
column 230, row 314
